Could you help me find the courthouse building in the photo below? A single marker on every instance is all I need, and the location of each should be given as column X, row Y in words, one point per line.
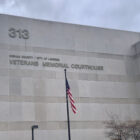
column 103, row 70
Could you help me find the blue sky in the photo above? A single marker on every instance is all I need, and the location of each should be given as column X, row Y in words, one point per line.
column 116, row 14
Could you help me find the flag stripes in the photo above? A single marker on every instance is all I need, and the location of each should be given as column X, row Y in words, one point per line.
column 73, row 107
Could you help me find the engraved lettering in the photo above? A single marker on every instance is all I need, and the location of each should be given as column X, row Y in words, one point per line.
column 60, row 65
column 25, row 34
column 48, row 62
column 12, row 33
column 23, row 62
column 18, row 33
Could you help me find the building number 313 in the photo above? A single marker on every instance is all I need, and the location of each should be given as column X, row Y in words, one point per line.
column 18, row 33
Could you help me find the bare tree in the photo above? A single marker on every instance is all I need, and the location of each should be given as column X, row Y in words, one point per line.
column 134, row 128
column 118, row 130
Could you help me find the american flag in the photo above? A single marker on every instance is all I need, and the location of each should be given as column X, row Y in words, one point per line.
column 73, row 107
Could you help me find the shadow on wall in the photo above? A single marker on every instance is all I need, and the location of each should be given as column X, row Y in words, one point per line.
column 136, row 48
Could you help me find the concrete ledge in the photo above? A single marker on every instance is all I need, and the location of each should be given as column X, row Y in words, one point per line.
column 43, row 99
column 55, row 125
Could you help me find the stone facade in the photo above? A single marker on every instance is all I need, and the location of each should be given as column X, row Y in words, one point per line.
column 103, row 69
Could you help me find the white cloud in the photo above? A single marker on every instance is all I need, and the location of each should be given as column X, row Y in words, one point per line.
column 118, row 14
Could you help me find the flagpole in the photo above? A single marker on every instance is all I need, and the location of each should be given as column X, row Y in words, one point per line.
column 67, row 104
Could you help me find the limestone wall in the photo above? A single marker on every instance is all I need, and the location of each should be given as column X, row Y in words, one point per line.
column 33, row 93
